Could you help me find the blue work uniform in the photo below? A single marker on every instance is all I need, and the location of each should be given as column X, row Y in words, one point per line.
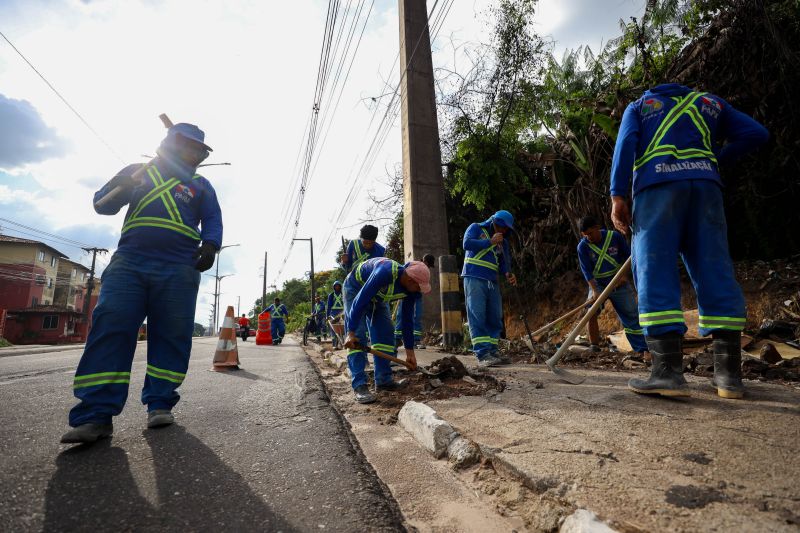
column 482, row 263
column 601, row 263
column 368, row 291
column 398, row 322
column 357, row 254
column 669, row 142
column 151, row 275
column 335, row 306
column 319, row 318
column 276, row 315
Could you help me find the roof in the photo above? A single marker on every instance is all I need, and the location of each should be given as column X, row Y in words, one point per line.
column 20, row 240
column 75, row 263
column 46, row 309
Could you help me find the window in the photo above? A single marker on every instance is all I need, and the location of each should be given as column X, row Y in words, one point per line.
column 40, row 256
column 50, row 322
column 53, row 261
column 40, row 280
column 74, row 272
column 49, row 283
column 34, row 301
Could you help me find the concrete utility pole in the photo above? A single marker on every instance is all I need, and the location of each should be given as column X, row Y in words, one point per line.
column 313, row 289
column 90, row 283
column 424, row 216
column 264, row 288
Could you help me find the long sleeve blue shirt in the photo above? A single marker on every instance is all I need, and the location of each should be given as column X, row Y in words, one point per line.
column 332, row 307
column 277, row 312
column 483, row 259
column 381, row 279
column 617, row 250
column 671, row 134
column 165, row 215
column 356, row 253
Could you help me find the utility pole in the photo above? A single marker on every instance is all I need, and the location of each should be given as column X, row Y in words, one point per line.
column 313, row 289
column 216, row 286
column 424, row 216
column 90, row 283
column 264, row 289
column 238, row 306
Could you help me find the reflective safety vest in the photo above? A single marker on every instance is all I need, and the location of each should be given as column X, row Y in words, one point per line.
column 602, row 255
column 162, row 190
column 685, row 107
column 338, row 303
column 360, row 255
column 388, row 294
column 478, row 260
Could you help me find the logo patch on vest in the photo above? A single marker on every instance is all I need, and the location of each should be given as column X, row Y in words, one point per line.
column 710, row 106
column 184, row 193
column 651, row 105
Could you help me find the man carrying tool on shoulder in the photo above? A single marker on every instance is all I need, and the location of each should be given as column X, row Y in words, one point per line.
column 154, row 274
column 277, row 314
column 487, row 254
column 670, row 142
column 601, row 253
column 368, row 291
column 361, row 249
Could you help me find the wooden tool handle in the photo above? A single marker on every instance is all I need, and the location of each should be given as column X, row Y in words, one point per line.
column 386, row 356
column 590, row 313
column 559, row 319
column 138, row 175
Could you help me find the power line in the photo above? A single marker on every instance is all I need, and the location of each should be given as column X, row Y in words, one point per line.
column 53, row 236
column 75, row 111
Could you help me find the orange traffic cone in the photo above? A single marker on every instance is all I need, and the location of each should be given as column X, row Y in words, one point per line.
column 227, row 355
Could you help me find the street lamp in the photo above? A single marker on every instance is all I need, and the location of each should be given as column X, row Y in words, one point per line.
column 310, row 242
column 216, row 286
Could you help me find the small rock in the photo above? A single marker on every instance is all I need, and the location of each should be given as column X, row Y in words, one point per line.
column 537, row 384
column 576, row 349
column 631, row 364
column 770, row 354
column 470, row 380
column 436, row 383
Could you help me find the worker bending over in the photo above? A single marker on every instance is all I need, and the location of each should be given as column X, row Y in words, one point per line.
column 601, row 253
column 368, row 291
column 670, row 143
column 154, row 274
column 487, row 254
column 430, row 261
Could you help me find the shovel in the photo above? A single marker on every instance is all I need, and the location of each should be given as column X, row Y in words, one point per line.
column 553, row 361
column 402, row 362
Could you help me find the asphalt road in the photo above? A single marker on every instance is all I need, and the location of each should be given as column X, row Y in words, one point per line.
column 260, row 449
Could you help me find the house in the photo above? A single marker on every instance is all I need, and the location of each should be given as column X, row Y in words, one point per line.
column 42, row 294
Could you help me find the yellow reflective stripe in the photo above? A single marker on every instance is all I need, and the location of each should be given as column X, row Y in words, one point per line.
column 165, row 377
column 478, row 262
column 722, row 322
column 160, row 223
column 169, row 201
column 152, row 195
column 607, row 274
column 674, row 316
column 670, row 119
column 389, row 295
column 361, row 256
column 337, row 302
column 724, row 318
column 602, row 255
column 385, row 348
column 86, row 377
column 101, row 378
column 701, row 125
column 633, row 331
column 165, row 371
column 668, row 149
column 662, row 313
column 484, row 340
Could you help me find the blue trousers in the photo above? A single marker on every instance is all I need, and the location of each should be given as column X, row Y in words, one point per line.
column 398, row 322
column 623, row 299
column 377, row 326
column 484, row 315
column 685, row 218
column 278, row 329
column 136, row 288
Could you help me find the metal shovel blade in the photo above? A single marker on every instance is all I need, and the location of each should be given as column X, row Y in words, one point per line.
column 427, row 372
column 569, row 377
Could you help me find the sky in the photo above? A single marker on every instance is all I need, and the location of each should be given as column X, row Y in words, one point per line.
column 245, row 72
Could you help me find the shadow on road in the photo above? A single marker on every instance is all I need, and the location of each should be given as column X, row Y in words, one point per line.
column 94, row 489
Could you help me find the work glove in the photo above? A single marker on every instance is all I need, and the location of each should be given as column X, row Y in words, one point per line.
column 205, row 256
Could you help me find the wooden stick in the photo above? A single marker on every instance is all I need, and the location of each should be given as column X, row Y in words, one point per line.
column 559, row 319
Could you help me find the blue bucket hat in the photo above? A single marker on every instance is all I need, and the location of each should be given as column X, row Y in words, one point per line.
column 189, row 131
column 504, row 219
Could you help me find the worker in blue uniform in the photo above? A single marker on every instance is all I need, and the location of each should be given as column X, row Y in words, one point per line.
column 601, row 253
column 670, row 143
column 429, row 261
column 361, row 249
column 335, row 307
column 487, row 255
column 319, row 318
column 277, row 314
column 154, row 274
column 368, row 291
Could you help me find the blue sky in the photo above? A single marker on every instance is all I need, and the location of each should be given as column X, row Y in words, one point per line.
column 244, row 71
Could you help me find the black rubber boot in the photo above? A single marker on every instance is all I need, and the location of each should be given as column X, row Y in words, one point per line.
column 666, row 374
column 393, row 385
column 728, row 364
column 363, row 395
column 87, row 433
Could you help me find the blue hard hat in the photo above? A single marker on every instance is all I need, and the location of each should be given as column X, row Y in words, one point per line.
column 189, row 131
column 504, row 219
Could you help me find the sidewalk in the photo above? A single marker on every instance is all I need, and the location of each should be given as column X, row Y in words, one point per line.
column 640, row 463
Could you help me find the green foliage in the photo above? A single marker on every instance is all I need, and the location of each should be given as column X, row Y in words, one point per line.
column 4, row 343
column 199, row 330
column 297, row 316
